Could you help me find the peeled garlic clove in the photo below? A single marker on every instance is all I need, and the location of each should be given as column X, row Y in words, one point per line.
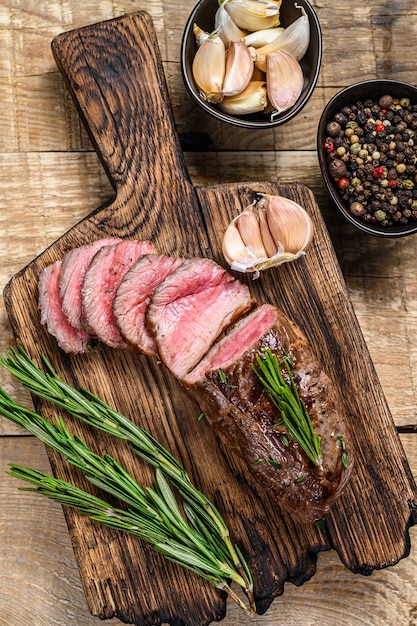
column 254, row 15
column 284, row 79
column 225, row 26
column 248, row 226
column 239, row 68
column 289, row 223
column 200, row 34
column 262, row 37
column 208, row 68
column 253, row 99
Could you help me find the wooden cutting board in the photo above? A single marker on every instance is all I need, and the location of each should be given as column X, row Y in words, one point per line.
column 115, row 74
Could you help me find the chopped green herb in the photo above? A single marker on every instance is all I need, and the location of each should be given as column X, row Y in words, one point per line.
column 300, row 479
column 342, row 441
column 285, row 440
column 222, row 376
column 258, row 461
column 274, row 464
column 344, row 455
column 200, row 417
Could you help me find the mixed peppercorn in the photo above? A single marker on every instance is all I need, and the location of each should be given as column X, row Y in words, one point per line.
column 371, row 150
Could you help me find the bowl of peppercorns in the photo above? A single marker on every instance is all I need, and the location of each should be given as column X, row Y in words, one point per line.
column 367, row 150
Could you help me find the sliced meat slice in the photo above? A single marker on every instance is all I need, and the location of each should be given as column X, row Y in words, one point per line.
column 248, row 424
column 74, row 267
column 189, row 310
column 69, row 338
column 231, row 347
column 133, row 297
column 102, row 279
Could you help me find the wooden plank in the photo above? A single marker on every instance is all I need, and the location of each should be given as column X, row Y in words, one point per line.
column 160, row 202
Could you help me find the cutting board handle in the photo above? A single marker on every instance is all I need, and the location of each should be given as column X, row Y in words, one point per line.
column 115, row 74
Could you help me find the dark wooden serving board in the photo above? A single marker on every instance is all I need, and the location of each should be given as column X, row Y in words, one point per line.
column 114, row 72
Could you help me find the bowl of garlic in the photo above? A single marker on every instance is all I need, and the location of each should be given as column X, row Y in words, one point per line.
column 251, row 63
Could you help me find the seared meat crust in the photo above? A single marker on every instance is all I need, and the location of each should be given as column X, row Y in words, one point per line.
column 246, row 422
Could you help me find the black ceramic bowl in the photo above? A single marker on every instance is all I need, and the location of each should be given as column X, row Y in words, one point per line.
column 203, row 15
column 370, row 89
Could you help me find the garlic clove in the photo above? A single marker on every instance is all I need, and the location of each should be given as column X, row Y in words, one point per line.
column 272, row 231
column 234, row 250
column 294, row 39
column 267, row 49
column 248, row 226
column 253, row 99
column 200, row 34
column 289, row 223
column 225, row 26
column 239, row 68
column 270, row 246
column 262, row 37
column 253, row 15
column 209, row 67
column 284, row 79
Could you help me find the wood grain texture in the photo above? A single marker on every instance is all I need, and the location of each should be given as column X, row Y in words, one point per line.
column 40, row 582
column 115, row 73
column 50, row 179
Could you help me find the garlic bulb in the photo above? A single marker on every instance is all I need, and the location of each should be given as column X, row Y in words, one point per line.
column 209, row 66
column 253, row 99
column 271, row 231
column 253, row 14
column 225, row 27
column 239, row 68
column 284, row 79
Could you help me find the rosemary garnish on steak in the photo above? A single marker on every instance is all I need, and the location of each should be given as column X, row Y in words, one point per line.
column 293, row 412
column 183, row 524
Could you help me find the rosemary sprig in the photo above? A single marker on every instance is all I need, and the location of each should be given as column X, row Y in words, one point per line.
column 127, row 521
column 204, row 517
column 285, row 397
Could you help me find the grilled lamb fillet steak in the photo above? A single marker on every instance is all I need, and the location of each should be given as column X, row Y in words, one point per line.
column 69, row 338
column 133, row 296
column 247, row 423
column 102, row 278
column 190, row 309
column 73, row 269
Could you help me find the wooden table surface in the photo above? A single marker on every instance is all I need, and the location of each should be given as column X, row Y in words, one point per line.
column 50, row 178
